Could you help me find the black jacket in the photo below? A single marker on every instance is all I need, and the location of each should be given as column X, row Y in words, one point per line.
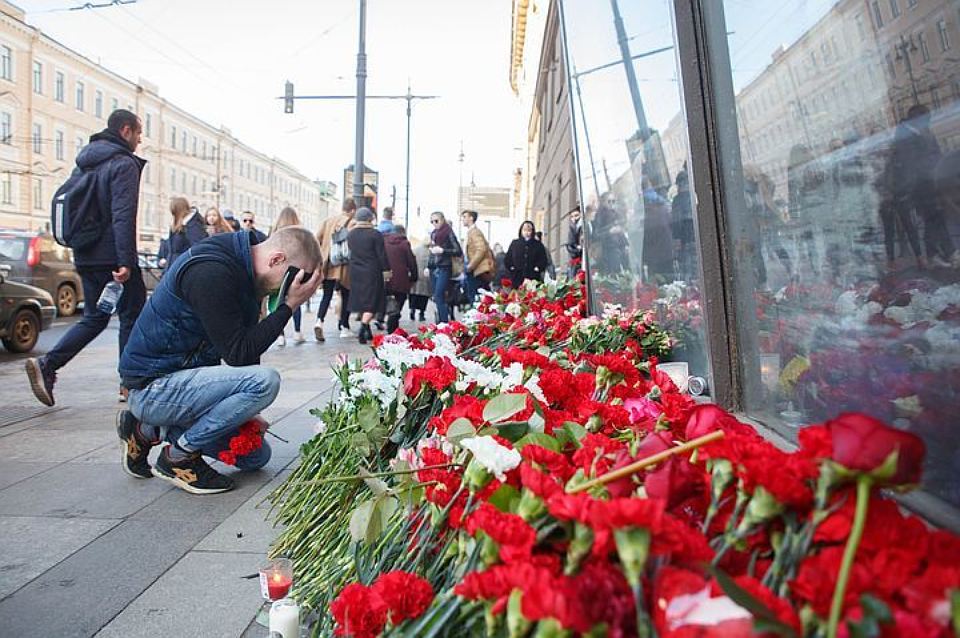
column 574, row 243
column 118, row 175
column 368, row 262
column 192, row 232
column 451, row 248
column 526, row 260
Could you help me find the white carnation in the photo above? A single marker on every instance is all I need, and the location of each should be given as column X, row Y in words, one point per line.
column 495, row 458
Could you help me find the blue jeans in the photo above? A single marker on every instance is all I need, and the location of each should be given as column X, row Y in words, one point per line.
column 94, row 322
column 471, row 286
column 203, row 408
column 440, row 278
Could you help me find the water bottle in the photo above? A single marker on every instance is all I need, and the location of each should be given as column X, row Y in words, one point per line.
column 110, row 297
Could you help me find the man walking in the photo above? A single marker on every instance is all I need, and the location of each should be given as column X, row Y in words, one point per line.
column 205, row 309
column 480, row 264
column 385, row 226
column 113, row 257
column 249, row 222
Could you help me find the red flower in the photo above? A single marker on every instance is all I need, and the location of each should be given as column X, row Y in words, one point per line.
column 514, row 535
column 359, row 612
column 406, row 595
column 863, row 443
column 437, row 372
column 248, row 439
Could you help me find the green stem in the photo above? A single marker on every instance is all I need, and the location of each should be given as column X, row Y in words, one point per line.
column 864, row 484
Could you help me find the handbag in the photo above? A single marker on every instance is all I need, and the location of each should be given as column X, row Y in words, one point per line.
column 339, row 249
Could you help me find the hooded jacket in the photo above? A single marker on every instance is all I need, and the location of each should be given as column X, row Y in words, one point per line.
column 403, row 263
column 118, row 177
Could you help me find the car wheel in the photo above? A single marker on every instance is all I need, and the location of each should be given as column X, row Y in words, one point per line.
column 24, row 332
column 66, row 300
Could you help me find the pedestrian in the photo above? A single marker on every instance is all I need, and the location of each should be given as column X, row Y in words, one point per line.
column 113, row 257
column 206, row 310
column 385, row 225
column 422, row 288
column 657, row 243
column 187, row 229
column 333, row 239
column 369, row 269
column 249, row 222
column 404, row 271
column 479, row 264
column 288, row 217
column 551, row 269
column 574, row 243
column 499, row 256
column 682, row 227
column 444, row 248
column 216, row 224
column 231, row 220
column 526, row 258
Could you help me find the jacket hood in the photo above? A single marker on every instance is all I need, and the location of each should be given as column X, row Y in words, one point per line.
column 103, row 146
column 395, row 239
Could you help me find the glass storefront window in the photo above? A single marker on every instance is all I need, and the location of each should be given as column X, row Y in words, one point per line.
column 842, row 200
column 632, row 152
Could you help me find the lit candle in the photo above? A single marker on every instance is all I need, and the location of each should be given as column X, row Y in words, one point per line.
column 285, row 619
column 276, row 577
column 278, row 585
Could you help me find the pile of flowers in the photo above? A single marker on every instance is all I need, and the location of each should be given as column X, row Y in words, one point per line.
column 530, row 471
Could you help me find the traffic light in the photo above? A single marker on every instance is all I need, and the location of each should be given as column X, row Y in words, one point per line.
column 288, row 97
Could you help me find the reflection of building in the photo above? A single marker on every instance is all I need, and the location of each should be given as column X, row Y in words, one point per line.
column 488, row 201
column 52, row 99
column 549, row 191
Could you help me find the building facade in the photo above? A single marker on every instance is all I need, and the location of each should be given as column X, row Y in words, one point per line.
column 52, row 99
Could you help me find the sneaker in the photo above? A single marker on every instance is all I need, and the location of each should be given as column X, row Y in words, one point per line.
column 318, row 333
column 379, row 325
column 134, row 447
column 298, row 337
column 41, row 381
column 191, row 474
column 940, row 262
column 124, row 393
column 281, row 341
column 346, row 333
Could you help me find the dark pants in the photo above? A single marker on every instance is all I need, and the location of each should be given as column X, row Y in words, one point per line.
column 471, row 286
column 329, row 285
column 94, row 321
column 344, row 307
column 395, row 301
column 297, row 318
column 890, row 214
column 440, row 278
column 936, row 235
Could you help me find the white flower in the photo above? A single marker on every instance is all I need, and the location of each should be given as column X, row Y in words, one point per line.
column 533, row 387
column 375, row 382
column 699, row 609
column 495, row 458
column 513, row 376
column 319, row 427
column 474, row 372
column 399, row 355
column 443, row 346
column 513, row 309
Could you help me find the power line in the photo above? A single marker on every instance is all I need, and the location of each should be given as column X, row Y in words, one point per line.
column 88, row 5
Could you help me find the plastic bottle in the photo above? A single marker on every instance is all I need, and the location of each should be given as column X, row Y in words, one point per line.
column 110, row 297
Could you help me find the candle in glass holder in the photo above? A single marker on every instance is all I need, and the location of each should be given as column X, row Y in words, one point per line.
column 678, row 371
column 276, row 577
column 770, row 371
column 285, row 619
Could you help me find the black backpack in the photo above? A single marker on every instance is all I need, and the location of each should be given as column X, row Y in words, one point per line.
column 77, row 213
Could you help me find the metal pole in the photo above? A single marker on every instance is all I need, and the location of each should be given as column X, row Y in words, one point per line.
column 586, row 135
column 358, row 169
column 406, row 211
column 631, row 74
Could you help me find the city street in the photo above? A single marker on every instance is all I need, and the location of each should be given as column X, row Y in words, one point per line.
column 123, row 557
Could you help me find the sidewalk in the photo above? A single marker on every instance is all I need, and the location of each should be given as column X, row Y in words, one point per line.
column 87, row 550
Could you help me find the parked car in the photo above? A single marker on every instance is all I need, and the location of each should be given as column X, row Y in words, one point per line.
column 36, row 259
column 24, row 312
column 150, row 267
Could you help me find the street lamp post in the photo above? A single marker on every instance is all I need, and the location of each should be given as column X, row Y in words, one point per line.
column 904, row 49
column 358, row 169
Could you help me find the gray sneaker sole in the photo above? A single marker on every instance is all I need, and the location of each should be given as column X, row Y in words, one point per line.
column 35, row 375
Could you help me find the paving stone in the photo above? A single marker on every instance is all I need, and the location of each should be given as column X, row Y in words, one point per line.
column 51, row 446
column 15, row 471
column 247, row 529
column 81, row 490
column 31, row 545
column 84, row 592
column 178, row 505
column 76, row 418
column 202, row 595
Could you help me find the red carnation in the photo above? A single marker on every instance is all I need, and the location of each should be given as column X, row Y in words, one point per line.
column 406, row 595
column 359, row 612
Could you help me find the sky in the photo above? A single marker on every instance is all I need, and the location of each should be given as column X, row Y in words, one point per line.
column 226, row 61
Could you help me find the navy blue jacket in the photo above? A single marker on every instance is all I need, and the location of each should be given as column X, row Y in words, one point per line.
column 193, row 232
column 118, row 176
column 169, row 334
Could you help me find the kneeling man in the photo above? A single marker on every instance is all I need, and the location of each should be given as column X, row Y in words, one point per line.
column 207, row 308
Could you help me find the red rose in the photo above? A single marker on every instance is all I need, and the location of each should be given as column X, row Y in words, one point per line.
column 863, row 443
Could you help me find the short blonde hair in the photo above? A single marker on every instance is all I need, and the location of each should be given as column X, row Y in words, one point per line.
column 298, row 244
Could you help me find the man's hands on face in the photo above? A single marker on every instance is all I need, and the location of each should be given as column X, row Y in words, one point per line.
column 301, row 290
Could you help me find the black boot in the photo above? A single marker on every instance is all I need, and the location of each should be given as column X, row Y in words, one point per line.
column 365, row 333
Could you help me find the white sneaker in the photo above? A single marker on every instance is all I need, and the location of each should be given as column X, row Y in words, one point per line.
column 298, row 337
column 281, row 341
column 347, row 334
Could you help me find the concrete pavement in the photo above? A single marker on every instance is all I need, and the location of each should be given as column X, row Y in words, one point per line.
column 86, row 550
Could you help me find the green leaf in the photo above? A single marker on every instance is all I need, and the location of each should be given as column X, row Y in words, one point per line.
column 538, row 438
column 459, row 430
column 376, row 485
column 360, row 521
column 760, row 611
column 575, row 431
column 360, row 441
column 504, row 498
column 504, row 406
column 955, row 610
column 368, row 417
column 876, row 608
column 513, row 431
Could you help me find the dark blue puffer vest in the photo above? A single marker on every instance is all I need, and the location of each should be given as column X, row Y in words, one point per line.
column 168, row 335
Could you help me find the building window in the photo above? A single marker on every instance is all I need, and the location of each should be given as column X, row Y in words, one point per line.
column 58, row 145
column 6, row 188
column 37, row 138
column 912, row 4
column 37, row 194
column 78, row 144
column 877, row 15
column 6, row 64
column 183, row 139
column 924, row 49
column 114, row 104
column 194, row 185
column 6, row 128
column 935, row 98
column 146, row 174
column 173, row 179
column 894, row 9
column 203, row 149
column 943, row 35
column 58, row 82
column 37, row 78
column 148, row 125
column 173, row 137
column 81, row 97
column 183, row 182
column 194, row 145
column 98, row 105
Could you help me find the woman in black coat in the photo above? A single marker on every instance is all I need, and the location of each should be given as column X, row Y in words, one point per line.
column 526, row 258
column 369, row 268
column 187, row 229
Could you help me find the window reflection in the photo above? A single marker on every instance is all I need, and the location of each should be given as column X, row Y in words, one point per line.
column 632, row 153
column 843, row 202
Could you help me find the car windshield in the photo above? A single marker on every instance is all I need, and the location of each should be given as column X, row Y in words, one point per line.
column 12, row 248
